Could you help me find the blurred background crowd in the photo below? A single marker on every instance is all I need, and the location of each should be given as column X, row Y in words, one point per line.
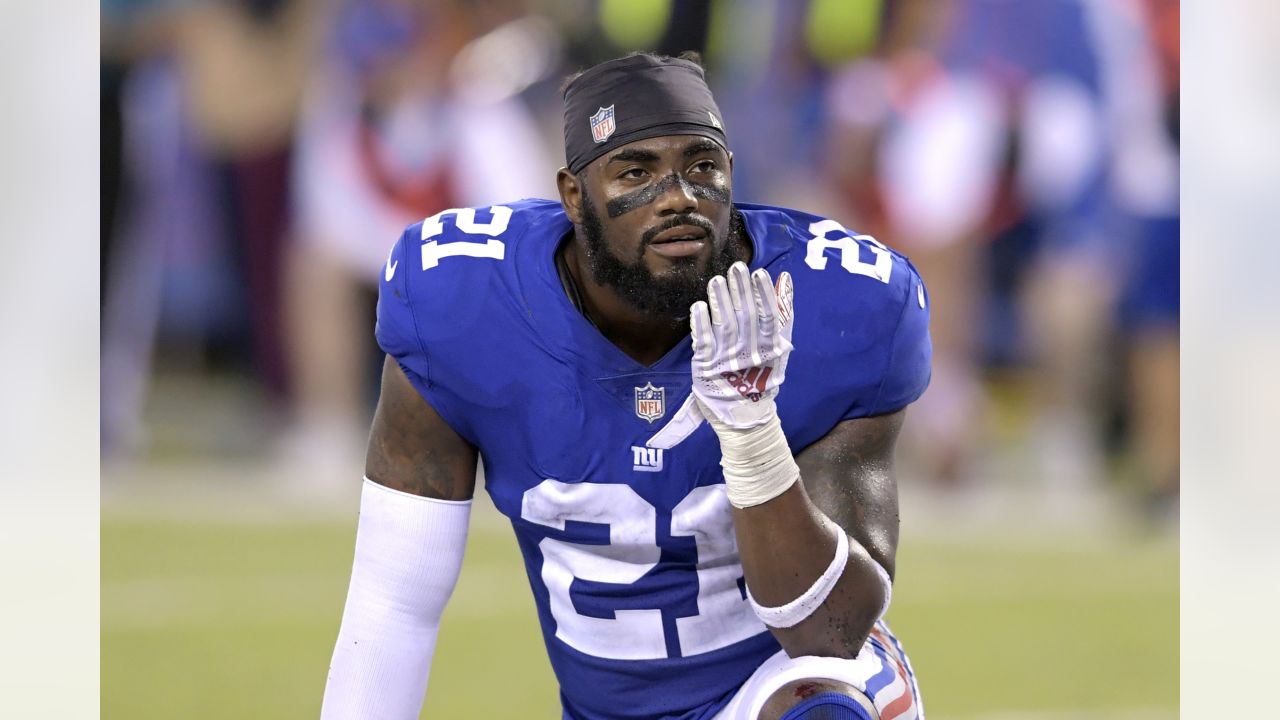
column 259, row 158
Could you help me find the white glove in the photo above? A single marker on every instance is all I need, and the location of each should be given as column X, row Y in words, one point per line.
column 741, row 342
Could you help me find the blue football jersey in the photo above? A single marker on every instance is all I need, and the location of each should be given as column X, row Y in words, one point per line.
column 630, row 551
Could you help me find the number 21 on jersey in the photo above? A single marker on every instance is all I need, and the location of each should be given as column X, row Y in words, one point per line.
column 723, row 617
column 465, row 220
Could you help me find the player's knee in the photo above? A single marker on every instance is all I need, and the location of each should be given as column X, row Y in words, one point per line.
column 818, row 699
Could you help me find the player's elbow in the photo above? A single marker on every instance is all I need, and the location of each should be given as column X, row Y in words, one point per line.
column 840, row 627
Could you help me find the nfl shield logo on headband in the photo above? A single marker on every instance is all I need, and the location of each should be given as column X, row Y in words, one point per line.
column 602, row 125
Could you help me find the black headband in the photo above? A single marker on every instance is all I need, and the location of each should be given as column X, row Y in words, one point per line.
column 634, row 98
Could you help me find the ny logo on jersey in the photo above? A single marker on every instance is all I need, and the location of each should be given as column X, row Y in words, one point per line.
column 750, row 383
column 646, row 459
column 651, row 402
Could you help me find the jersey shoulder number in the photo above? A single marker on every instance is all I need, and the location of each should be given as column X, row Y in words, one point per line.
column 827, row 235
column 867, row 303
column 442, row 275
column 467, row 236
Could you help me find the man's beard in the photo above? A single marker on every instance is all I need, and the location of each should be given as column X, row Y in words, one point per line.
column 669, row 295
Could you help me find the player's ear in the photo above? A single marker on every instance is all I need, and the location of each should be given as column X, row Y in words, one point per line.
column 730, row 162
column 570, row 195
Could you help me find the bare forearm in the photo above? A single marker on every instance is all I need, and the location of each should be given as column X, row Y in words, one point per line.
column 847, row 485
column 785, row 545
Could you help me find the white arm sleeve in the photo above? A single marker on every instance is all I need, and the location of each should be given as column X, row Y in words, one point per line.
column 408, row 554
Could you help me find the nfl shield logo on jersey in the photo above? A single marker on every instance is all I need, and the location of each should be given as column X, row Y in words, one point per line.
column 651, row 402
column 602, row 125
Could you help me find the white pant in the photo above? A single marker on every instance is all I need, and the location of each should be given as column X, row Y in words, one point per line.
column 881, row 670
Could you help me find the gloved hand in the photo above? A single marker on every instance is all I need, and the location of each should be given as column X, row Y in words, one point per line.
column 741, row 342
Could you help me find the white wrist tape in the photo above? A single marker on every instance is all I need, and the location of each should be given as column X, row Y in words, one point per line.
column 802, row 607
column 757, row 462
column 408, row 555
column 794, row 612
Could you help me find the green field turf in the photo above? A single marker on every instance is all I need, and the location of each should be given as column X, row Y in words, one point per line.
column 235, row 618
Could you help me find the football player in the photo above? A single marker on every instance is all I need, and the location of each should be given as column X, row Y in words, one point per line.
column 686, row 406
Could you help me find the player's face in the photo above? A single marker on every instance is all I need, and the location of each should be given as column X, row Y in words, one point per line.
column 656, row 214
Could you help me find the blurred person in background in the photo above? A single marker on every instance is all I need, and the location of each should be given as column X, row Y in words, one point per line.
column 1012, row 147
column 197, row 127
column 134, row 32
column 1150, row 300
column 690, row 554
column 244, row 65
column 408, row 111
